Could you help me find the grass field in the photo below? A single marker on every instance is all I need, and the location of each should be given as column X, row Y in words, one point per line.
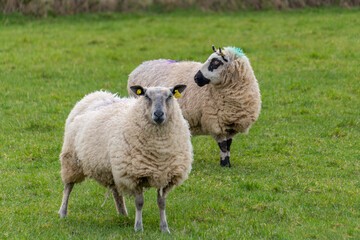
column 294, row 176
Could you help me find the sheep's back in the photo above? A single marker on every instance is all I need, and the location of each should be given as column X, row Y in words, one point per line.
column 164, row 73
column 94, row 130
column 91, row 102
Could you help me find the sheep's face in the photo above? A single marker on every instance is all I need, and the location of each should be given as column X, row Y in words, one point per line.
column 211, row 70
column 159, row 101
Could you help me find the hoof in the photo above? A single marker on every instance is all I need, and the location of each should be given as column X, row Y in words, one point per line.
column 225, row 162
column 165, row 230
column 138, row 227
column 62, row 214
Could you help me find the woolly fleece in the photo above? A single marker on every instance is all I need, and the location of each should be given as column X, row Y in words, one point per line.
column 221, row 110
column 109, row 139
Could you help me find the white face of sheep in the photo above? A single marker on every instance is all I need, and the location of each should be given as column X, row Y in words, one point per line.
column 159, row 101
column 211, row 70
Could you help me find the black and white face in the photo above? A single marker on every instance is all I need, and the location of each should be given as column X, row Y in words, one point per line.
column 158, row 101
column 211, row 70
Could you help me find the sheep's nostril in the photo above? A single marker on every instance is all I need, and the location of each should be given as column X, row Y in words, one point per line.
column 158, row 113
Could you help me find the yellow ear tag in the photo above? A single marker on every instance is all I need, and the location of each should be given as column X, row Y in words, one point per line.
column 177, row 94
column 138, row 92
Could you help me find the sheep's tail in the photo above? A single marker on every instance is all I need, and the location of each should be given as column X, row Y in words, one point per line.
column 107, row 194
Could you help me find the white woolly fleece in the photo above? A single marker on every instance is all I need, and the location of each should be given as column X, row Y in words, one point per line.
column 221, row 110
column 109, row 139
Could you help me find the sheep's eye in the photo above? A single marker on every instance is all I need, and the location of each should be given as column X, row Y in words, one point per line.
column 168, row 98
column 214, row 64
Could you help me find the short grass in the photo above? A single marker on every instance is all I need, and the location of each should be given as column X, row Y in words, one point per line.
column 294, row 176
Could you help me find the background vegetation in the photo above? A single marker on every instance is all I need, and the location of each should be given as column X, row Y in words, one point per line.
column 294, row 176
column 56, row 7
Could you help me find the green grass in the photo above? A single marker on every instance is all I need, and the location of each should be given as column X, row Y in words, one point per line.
column 294, row 176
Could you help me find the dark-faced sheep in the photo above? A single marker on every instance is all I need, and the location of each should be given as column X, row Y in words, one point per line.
column 222, row 98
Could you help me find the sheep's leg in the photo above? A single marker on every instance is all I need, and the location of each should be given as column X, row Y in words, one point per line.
column 139, row 203
column 161, row 199
column 225, row 152
column 119, row 202
column 229, row 141
column 64, row 205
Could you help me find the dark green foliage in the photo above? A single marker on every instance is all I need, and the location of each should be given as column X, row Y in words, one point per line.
column 60, row 7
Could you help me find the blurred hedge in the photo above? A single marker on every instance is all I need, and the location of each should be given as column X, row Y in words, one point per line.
column 61, row 7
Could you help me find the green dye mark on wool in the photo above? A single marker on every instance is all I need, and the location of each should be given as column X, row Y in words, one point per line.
column 238, row 53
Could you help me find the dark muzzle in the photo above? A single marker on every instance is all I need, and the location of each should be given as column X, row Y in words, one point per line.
column 158, row 117
column 200, row 79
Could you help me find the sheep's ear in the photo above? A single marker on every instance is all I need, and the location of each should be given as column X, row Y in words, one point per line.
column 177, row 90
column 138, row 90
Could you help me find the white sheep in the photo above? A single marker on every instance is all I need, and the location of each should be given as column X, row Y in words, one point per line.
column 222, row 98
column 128, row 144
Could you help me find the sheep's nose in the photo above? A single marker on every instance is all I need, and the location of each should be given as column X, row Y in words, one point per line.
column 200, row 80
column 159, row 117
column 159, row 114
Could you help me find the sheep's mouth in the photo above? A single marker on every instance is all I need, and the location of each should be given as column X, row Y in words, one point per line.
column 200, row 80
column 159, row 121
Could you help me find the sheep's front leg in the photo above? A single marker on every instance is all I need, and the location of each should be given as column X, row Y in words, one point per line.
column 119, row 202
column 139, row 203
column 161, row 201
column 225, row 152
column 64, row 205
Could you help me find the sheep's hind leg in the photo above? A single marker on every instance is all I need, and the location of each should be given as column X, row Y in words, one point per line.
column 225, row 152
column 161, row 201
column 119, row 202
column 139, row 203
column 64, row 205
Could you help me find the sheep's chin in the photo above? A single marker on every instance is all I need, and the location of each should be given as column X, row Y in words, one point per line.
column 158, row 122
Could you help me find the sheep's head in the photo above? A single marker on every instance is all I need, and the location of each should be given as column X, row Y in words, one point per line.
column 210, row 72
column 159, row 101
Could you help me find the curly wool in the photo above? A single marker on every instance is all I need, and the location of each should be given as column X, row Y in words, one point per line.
column 221, row 110
column 109, row 139
column 236, row 52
